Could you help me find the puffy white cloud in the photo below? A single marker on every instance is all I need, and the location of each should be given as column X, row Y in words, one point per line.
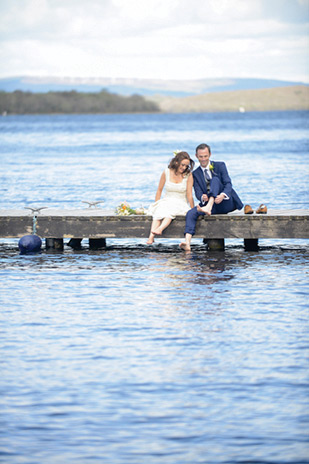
column 155, row 38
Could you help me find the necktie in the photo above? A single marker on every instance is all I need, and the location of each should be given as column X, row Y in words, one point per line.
column 207, row 179
column 207, row 176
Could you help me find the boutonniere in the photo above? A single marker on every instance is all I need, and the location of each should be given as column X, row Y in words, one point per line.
column 211, row 167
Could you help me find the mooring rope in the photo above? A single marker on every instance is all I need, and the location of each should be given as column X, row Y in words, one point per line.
column 35, row 218
column 34, row 225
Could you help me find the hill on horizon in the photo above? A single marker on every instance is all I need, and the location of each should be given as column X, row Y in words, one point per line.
column 144, row 87
column 276, row 99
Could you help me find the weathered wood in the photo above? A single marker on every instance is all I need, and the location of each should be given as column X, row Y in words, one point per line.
column 55, row 243
column 215, row 244
column 98, row 224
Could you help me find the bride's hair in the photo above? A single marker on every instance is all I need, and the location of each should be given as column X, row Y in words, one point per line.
column 175, row 162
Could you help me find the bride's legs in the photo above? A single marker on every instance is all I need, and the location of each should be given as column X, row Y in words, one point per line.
column 158, row 230
column 155, row 224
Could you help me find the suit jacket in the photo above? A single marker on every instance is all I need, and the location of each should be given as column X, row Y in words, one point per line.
column 200, row 187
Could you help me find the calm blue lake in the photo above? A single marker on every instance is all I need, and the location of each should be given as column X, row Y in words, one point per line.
column 138, row 354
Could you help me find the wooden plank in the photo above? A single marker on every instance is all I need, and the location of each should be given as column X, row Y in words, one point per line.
column 15, row 226
column 95, row 224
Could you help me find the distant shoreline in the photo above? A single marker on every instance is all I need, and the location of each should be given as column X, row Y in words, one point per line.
column 72, row 102
column 7, row 115
column 292, row 98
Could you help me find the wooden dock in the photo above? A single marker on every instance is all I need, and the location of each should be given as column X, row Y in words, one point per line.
column 97, row 225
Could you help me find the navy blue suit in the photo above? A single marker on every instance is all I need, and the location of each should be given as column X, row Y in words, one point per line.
column 220, row 183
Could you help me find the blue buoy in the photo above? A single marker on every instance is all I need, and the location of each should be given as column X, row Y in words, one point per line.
column 30, row 244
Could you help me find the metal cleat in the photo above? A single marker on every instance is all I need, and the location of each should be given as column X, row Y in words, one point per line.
column 36, row 210
column 93, row 203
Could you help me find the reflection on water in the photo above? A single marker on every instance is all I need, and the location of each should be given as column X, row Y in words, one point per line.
column 138, row 354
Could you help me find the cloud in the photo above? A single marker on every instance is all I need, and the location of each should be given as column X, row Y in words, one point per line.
column 155, row 38
column 288, row 11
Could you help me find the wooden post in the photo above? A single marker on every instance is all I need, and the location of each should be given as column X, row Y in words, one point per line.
column 215, row 244
column 75, row 243
column 55, row 243
column 96, row 243
column 251, row 244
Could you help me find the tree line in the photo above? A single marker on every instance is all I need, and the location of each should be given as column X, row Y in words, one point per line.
column 71, row 102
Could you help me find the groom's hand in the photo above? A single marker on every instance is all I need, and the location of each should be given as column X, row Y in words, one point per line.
column 204, row 198
column 219, row 198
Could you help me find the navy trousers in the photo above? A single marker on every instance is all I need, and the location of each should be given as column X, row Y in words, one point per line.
column 226, row 206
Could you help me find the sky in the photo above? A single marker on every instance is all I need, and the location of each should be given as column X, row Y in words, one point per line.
column 155, row 39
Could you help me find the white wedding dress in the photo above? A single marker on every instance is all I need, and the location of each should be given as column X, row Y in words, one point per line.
column 175, row 201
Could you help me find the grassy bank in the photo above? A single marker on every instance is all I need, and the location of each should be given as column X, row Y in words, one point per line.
column 274, row 99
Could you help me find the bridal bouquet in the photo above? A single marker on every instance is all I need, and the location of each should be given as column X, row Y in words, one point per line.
column 124, row 209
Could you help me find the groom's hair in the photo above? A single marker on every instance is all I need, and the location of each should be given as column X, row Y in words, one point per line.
column 202, row 146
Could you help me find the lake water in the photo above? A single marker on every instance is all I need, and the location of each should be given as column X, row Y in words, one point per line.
column 139, row 354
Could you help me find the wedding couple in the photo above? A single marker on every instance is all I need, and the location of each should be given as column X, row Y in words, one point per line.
column 212, row 186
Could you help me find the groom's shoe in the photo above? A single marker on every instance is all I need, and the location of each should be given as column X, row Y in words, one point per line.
column 248, row 209
column 262, row 209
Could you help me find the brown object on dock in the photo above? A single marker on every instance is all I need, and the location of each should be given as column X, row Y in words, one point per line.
column 248, row 209
column 100, row 224
column 262, row 209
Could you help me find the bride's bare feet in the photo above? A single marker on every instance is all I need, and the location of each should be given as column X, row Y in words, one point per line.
column 157, row 232
column 205, row 209
column 150, row 239
column 184, row 246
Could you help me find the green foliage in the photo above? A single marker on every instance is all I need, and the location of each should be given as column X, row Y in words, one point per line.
column 73, row 102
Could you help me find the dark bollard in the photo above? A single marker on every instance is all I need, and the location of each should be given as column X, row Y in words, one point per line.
column 96, row 243
column 215, row 244
column 251, row 244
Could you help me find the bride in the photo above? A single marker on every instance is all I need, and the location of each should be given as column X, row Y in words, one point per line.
column 178, row 181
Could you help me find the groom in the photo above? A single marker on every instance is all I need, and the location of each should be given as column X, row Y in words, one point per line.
column 213, row 188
